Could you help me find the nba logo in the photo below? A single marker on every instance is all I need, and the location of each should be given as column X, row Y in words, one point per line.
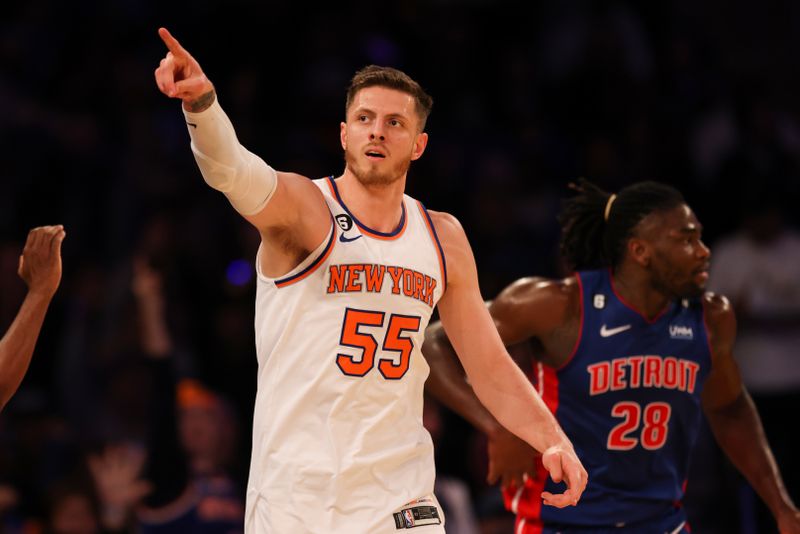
column 409, row 517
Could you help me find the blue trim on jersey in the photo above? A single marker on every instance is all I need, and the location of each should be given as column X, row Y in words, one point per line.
column 314, row 263
column 438, row 243
column 362, row 225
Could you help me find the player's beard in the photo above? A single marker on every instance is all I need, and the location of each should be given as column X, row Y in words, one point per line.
column 678, row 284
column 371, row 175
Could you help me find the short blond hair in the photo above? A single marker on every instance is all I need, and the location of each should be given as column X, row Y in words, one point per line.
column 377, row 76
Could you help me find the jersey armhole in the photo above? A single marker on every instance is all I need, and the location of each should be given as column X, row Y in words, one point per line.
column 437, row 244
column 306, row 267
column 578, row 340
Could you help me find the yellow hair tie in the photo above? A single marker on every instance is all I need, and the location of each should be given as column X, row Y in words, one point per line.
column 611, row 200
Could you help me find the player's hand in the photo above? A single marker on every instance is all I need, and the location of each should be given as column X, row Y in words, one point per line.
column 116, row 473
column 179, row 76
column 511, row 460
column 40, row 262
column 789, row 521
column 563, row 464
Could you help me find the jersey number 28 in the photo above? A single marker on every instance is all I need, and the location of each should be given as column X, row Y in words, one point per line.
column 654, row 425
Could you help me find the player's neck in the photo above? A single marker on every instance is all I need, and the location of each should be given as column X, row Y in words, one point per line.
column 636, row 289
column 379, row 207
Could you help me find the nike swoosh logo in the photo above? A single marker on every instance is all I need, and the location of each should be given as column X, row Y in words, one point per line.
column 192, row 125
column 344, row 239
column 608, row 332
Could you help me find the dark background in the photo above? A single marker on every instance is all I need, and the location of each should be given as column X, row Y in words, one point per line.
column 527, row 97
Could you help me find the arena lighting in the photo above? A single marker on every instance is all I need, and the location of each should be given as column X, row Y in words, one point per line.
column 239, row 272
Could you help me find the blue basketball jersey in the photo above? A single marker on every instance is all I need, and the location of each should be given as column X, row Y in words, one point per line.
column 629, row 399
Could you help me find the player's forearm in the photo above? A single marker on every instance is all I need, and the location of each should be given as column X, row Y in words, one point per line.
column 213, row 136
column 512, row 400
column 447, row 382
column 16, row 347
column 738, row 431
column 225, row 164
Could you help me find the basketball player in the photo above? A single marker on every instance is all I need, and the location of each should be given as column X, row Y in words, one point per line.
column 629, row 350
column 349, row 270
column 40, row 268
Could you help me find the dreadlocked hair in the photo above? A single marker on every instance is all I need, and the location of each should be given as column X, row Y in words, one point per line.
column 596, row 228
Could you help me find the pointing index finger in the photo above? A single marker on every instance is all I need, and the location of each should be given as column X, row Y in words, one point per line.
column 172, row 44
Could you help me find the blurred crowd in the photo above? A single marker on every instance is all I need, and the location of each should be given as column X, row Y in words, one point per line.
column 136, row 413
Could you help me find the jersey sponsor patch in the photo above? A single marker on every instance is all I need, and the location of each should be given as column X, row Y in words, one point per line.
column 417, row 514
column 680, row 332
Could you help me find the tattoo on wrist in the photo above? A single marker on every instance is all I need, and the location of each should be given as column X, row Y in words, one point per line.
column 202, row 103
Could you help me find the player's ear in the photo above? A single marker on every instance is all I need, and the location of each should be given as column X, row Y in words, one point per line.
column 420, row 142
column 639, row 251
column 343, row 134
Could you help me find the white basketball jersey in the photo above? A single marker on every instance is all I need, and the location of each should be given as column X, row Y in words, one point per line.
column 338, row 441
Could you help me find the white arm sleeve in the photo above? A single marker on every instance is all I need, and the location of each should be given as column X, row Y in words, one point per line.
column 226, row 165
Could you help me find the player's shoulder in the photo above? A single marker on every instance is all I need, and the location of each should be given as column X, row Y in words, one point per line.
column 287, row 175
column 535, row 293
column 451, row 235
column 541, row 286
column 300, row 185
column 445, row 223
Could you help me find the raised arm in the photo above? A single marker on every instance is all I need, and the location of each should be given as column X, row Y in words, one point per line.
column 40, row 268
column 735, row 422
column 287, row 208
column 497, row 381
